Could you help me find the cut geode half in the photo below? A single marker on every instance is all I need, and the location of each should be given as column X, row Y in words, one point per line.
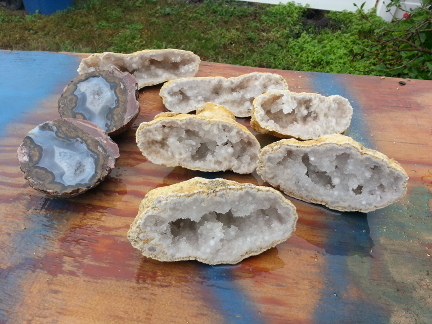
column 106, row 98
column 334, row 171
column 236, row 94
column 213, row 221
column 211, row 140
column 149, row 67
column 66, row 157
column 283, row 113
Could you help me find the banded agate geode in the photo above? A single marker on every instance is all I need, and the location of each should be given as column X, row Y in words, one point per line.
column 66, row 157
column 106, row 98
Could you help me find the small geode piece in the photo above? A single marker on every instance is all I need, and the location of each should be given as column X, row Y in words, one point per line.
column 106, row 98
column 66, row 157
column 304, row 116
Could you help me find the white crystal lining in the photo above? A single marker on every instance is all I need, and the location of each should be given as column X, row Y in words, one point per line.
column 199, row 144
column 338, row 176
column 236, row 94
column 223, row 226
column 303, row 115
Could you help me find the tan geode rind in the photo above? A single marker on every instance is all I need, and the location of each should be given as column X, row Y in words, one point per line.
column 149, row 67
column 336, row 140
column 310, row 121
column 185, row 191
column 207, row 116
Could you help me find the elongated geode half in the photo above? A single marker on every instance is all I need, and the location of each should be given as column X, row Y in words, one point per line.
column 149, row 67
column 214, row 221
column 211, row 140
column 66, row 157
column 106, row 98
column 184, row 95
column 335, row 171
column 285, row 114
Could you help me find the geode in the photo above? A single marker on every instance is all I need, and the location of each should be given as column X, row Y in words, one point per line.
column 284, row 114
column 66, row 157
column 106, row 98
column 334, row 171
column 184, row 95
column 211, row 140
column 149, row 67
column 213, row 221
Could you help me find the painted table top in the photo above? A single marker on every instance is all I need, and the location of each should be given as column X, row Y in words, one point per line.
column 69, row 261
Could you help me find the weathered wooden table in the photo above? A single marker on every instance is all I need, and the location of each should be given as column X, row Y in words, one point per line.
column 69, row 261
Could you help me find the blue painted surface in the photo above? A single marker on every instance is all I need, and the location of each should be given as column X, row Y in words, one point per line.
column 46, row 7
column 28, row 77
column 349, row 233
column 43, row 223
column 231, row 301
column 329, row 84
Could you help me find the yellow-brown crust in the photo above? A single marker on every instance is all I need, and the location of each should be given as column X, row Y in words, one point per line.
column 257, row 127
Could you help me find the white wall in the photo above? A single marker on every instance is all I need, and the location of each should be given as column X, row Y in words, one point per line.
column 336, row 5
column 340, row 5
column 394, row 12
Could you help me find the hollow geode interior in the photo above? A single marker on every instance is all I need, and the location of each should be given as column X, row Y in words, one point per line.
column 207, row 143
column 300, row 115
column 222, row 224
column 105, row 98
column 339, row 176
column 66, row 157
column 149, row 67
column 236, row 94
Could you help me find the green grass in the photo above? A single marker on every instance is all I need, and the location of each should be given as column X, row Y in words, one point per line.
column 271, row 36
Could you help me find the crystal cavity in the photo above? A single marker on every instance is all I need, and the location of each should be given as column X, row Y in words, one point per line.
column 95, row 100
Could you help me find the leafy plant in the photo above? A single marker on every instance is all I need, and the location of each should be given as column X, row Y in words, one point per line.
column 405, row 46
column 280, row 36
